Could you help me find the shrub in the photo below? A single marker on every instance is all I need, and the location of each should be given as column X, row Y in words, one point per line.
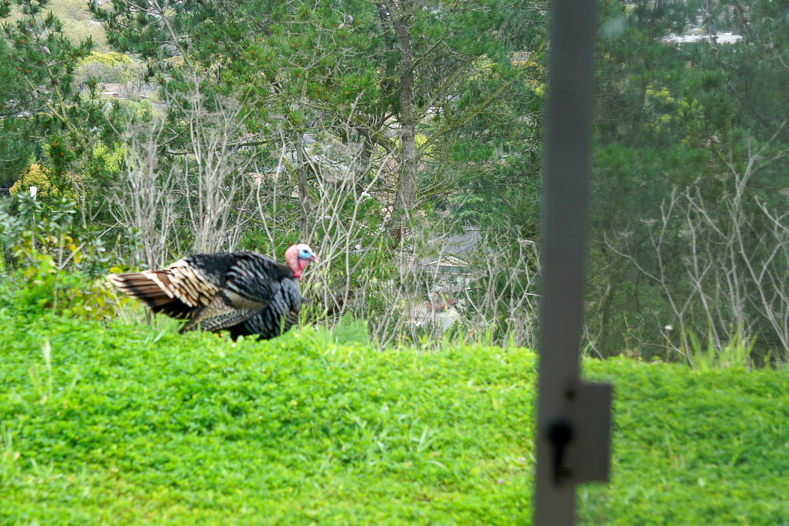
column 56, row 266
column 34, row 175
column 43, row 286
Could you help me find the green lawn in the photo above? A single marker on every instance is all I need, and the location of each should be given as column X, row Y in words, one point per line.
column 694, row 447
column 136, row 425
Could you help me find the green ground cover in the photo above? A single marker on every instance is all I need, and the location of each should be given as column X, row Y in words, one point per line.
column 128, row 424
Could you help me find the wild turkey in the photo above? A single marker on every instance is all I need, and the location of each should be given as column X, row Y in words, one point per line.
column 243, row 292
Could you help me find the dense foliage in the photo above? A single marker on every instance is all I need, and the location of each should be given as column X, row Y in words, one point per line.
column 689, row 182
column 402, row 141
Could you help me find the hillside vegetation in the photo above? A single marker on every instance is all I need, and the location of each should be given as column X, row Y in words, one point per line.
column 402, row 141
column 78, row 22
column 130, row 424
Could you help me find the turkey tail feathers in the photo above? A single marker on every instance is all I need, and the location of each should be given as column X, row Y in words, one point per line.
column 176, row 291
column 143, row 286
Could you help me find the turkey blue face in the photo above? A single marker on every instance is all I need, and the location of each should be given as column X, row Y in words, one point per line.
column 307, row 255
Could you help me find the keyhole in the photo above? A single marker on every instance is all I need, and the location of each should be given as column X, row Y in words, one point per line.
column 559, row 435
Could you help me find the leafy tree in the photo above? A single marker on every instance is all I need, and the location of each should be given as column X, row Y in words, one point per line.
column 455, row 61
column 672, row 117
column 40, row 102
column 414, row 67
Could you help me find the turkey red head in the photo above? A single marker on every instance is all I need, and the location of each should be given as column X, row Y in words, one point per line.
column 298, row 257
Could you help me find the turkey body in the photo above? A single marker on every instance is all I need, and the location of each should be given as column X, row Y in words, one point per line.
column 277, row 317
column 242, row 292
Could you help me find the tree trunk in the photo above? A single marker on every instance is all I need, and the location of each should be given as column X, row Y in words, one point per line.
column 409, row 156
column 301, row 174
column 605, row 306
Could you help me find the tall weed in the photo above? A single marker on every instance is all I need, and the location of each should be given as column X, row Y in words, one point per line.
column 735, row 354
